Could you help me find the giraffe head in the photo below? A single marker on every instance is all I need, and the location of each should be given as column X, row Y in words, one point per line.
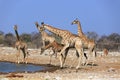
column 15, row 27
column 40, row 28
column 76, row 21
column 37, row 25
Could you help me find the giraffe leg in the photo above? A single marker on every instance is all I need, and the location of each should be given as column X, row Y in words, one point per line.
column 55, row 53
column 42, row 50
column 61, row 61
column 94, row 56
column 61, row 55
column 89, row 55
column 27, row 54
column 50, row 58
column 93, row 59
column 80, row 52
column 65, row 55
column 74, row 60
column 87, row 61
column 46, row 47
column 18, row 56
column 24, row 55
column 43, row 43
column 26, row 59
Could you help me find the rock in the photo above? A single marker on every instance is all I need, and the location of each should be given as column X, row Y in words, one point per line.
column 111, row 69
column 4, row 79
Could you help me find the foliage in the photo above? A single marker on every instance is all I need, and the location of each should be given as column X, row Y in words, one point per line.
column 111, row 42
column 92, row 35
column 1, row 37
column 36, row 39
column 25, row 37
column 1, row 33
column 9, row 39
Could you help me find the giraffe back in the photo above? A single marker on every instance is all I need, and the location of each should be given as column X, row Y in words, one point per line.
column 57, row 31
column 66, row 35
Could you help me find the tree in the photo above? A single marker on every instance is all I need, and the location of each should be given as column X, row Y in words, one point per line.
column 111, row 42
column 1, row 37
column 36, row 39
column 1, row 33
column 92, row 35
column 26, row 37
column 114, row 37
column 9, row 39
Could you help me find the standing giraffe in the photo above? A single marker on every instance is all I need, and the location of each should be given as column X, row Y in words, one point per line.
column 45, row 36
column 105, row 52
column 19, row 45
column 89, row 43
column 52, row 43
column 68, row 40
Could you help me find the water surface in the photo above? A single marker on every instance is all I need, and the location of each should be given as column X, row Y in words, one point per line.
column 7, row 67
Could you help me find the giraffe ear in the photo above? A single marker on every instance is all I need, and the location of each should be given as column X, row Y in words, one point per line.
column 42, row 23
column 15, row 27
column 36, row 23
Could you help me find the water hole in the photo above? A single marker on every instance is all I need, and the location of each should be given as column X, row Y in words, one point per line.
column 9, row 67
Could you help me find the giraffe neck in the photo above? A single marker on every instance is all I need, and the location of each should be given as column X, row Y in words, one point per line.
column 43, row 33
column 80, row 33
column 17, row 35
column 56, row 31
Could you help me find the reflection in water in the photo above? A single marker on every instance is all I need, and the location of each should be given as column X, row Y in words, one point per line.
column 6, row 67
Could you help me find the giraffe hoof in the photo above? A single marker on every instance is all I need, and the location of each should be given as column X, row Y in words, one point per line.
column 77, row 67
column 70, row 67
column 18, row 62
column 26, row 62
column 61, row 67
column 83, row 64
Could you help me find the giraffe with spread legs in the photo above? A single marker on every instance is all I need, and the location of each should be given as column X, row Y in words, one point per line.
column 20, row 46
column 89, row 43
column 56, row 48
column 52, row 43
column 45, row 36
column 68, row 40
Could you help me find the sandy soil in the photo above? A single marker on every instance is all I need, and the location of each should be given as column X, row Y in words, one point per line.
column 105, row 68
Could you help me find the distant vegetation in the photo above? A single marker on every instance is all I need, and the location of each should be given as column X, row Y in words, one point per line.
column 111, row 42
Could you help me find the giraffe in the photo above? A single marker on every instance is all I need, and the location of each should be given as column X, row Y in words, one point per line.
column 89, row 43
column 45, row 36
column 56, row 48
column 52, row 43
column 20, row 46
column 105, row 52
column 68, row 40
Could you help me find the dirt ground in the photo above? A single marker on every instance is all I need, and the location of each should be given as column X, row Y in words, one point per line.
column 105, row 67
